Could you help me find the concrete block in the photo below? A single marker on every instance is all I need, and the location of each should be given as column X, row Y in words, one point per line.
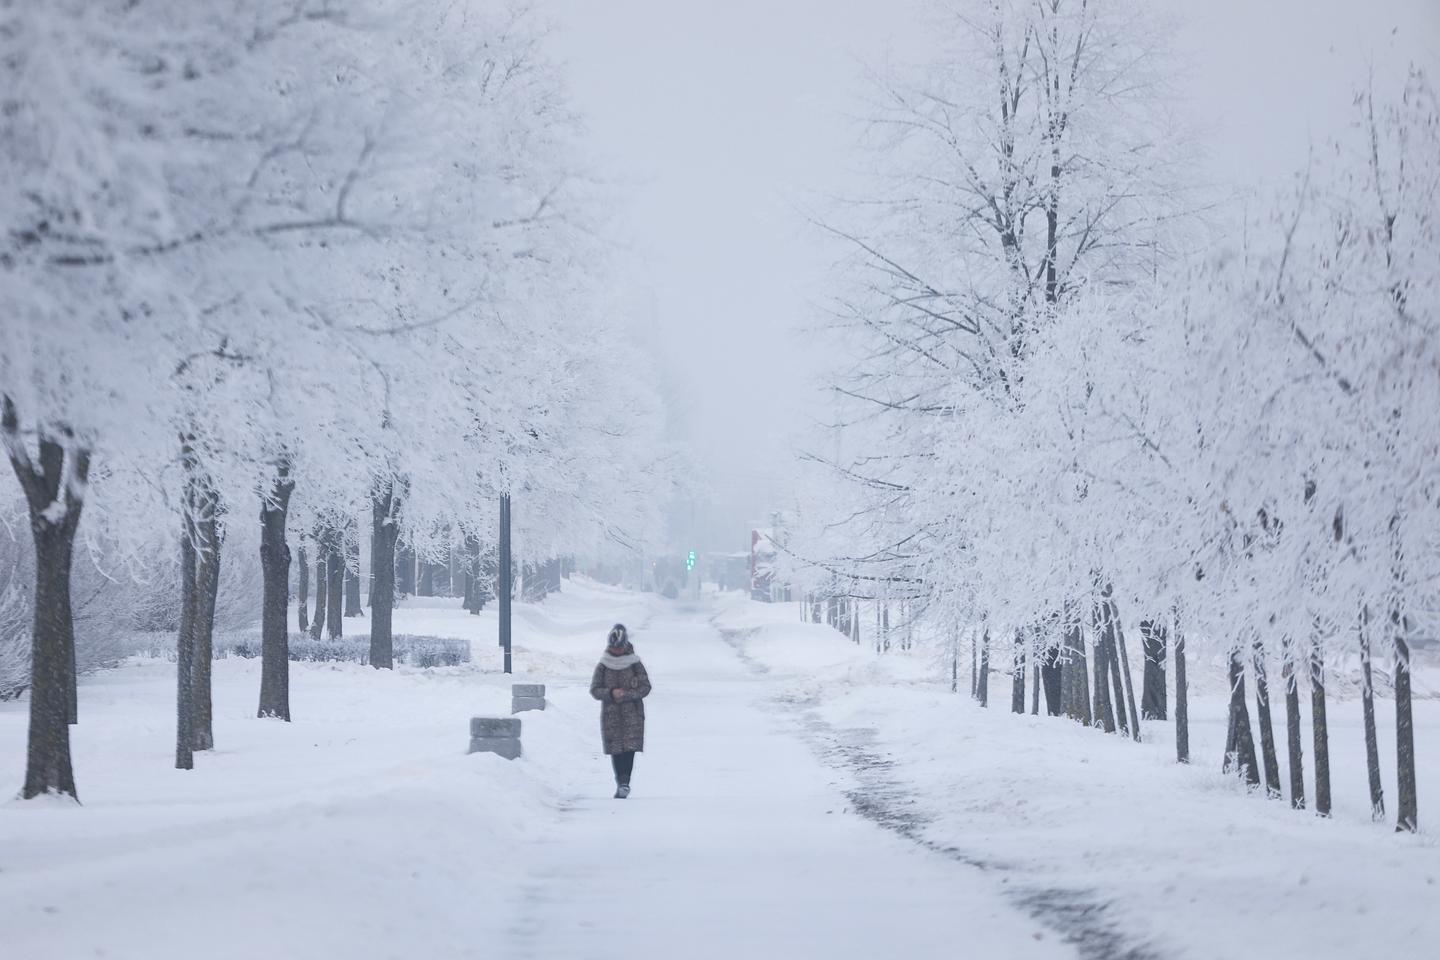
column 527, row 690
column 521, row 704
column 494, row 727
column 507, row 747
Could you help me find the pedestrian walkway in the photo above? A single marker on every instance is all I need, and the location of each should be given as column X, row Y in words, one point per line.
column 737, row 843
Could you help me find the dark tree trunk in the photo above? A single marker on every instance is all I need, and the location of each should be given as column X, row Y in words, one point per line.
column 1117, row 696
column 1182, row 701
column 467, row 578
column 1124, row 660
column 1267, row 729
column 1074, row 671
column 47, row 757
column 207, row 588
column 1293, row 741
column 302, row 579
column 1367, row 700
column 1152, row 697
column 426, row 586
column 405, row 570
column 1102, row 709
column 352, row 571
column 954, row 663
column 385, row 530
column 1035, row 685
column 185, row 644
column 54, row 507
column 974, row 657
column 1051, row 677
column 1320, row 728
column 322, row 579
column 275, row 577
column 983, row 684
column 1407, row 815
column 1017, row 675
column 1239, row 741
column 335, row 585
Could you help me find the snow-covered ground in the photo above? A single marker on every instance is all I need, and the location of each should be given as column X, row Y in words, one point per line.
column 1110, row 837
column 799, row 797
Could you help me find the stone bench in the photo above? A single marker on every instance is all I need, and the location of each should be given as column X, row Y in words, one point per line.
column 500, row 735
column 527, row 696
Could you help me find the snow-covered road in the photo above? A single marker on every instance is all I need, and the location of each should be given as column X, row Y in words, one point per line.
column 737, row 842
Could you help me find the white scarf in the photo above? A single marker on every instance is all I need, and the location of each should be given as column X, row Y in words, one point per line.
column 619, row 663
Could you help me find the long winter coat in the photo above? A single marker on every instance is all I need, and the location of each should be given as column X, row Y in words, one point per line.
column 622, row 722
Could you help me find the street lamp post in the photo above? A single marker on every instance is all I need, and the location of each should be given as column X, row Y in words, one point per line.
column 504, row 585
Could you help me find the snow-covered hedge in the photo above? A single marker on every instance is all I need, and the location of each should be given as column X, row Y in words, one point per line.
column 416, row 651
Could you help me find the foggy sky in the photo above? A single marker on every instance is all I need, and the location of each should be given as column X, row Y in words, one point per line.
column 726, row 121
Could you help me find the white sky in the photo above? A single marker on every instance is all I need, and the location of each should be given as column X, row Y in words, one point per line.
column 725, row 118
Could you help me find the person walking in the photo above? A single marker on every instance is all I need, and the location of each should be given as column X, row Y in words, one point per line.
column 621, row 685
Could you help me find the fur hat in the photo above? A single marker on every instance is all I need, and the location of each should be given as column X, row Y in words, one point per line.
column 619, row 639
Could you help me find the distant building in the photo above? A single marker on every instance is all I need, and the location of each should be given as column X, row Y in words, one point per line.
column 762, row 574
column 730, row 571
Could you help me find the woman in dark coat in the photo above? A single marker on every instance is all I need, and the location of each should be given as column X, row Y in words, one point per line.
column 621, row 685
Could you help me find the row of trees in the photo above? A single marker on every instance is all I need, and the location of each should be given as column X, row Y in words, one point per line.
column 1072, row 403
column 296, row 262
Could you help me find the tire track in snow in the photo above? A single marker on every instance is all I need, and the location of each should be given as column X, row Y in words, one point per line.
column 1080, row 917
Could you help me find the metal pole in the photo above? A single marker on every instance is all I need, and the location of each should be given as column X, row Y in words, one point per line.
column 505, row 578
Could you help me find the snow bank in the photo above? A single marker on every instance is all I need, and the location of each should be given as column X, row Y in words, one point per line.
column 1178, row 858
column 355, row 830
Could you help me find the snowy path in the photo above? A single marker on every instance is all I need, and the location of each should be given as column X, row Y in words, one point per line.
column 737, row 842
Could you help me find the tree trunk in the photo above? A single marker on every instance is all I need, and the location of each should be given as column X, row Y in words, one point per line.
column 405, row 571
column 1074, row 672
column 1292, row 729
column 1017, row 675
column 1267, row 729
column 426, row 586
column 335, row 585
column 352, row 571
column 1102, row 710
column 1320, row 728
column 54, row 497
column 1407, row 817
column 1051, row 679
column 302, row 578
column 467, row 581
column 1182, row 701
column 974, row 658
column 1117, row 696
column 1119, row 633
column 1152, row 697
column 1367, row 700
column 275, row 577
column 207, row 588
column 384, row 505
column 983, row 685
column 185, row 643
column 1239, row 741
column 954, row 664
column 1035, row 685
column 48, row 767
column 322, row 579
